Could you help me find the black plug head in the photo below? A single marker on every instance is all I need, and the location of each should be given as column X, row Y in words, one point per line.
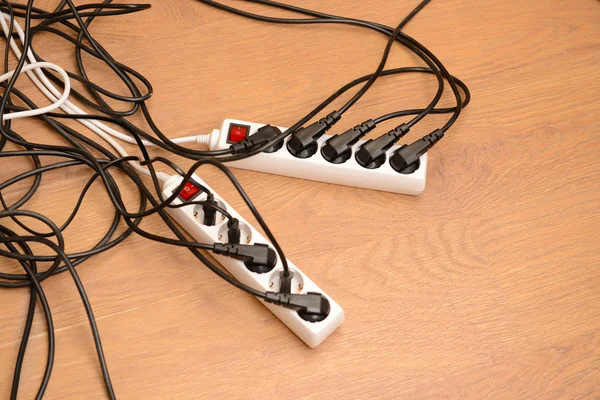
column 404, row 162
column 233, row 231
column 332, row 152
column 311, row 307
column 210, row 213
column 285, row 281
column 406, row 159
column 269, row 133
column 371, row 154
column 317, row 308
column 303, row 143
column 338, row 149
column 258, row 258
column 260, row 137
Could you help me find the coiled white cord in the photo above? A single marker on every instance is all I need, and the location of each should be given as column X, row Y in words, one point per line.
column 39, row 111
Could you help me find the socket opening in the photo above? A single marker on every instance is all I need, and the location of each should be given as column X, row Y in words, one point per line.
column 297, row 281
column 199, row 211
column 245, row 233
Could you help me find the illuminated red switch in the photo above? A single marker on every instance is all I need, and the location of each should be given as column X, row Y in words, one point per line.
column 189, row 191
column 237, row 133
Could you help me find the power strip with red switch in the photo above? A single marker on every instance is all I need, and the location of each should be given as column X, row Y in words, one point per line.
column 316, row 168
column 191, row 219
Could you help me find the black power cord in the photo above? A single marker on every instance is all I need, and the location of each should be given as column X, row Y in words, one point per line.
column 406, row 40
column 103, row 165
column 80, row 156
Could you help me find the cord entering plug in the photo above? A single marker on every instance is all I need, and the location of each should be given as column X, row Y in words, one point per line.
column 245, row 233
column 233, row 231
column 210, row 213
column 206, row 214
column 278, row 282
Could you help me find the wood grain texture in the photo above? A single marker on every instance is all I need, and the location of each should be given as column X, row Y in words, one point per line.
column 485, row 286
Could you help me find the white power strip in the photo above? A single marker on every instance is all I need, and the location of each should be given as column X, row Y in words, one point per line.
column 191, row 219
column 316, row 168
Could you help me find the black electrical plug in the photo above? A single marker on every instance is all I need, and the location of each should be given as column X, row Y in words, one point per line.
column 285, row 281
column 259, row 258
column 372, row 153
column 260, row 137
column 303, row 143
column 210, row 212
column 233, row 231
column 406, row 159
column 338, row 149
column 311, row 307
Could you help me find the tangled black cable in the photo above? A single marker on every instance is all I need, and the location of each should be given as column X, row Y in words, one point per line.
column 104, row 164
column 435, row 67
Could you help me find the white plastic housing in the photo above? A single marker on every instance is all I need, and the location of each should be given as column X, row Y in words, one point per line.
column 316, row 168
column 311, row 333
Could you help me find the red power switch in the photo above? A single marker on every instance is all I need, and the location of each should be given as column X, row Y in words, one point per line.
column 189, row 191
column 237, row 133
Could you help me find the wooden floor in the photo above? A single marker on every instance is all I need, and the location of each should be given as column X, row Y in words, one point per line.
column 485, row 286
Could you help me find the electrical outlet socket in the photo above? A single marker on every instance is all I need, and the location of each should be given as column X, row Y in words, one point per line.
column 297, row 286
column 245, row 233
column 199, row 210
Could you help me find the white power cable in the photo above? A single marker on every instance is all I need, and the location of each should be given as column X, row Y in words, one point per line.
column 39, row 111
column 52, row 93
